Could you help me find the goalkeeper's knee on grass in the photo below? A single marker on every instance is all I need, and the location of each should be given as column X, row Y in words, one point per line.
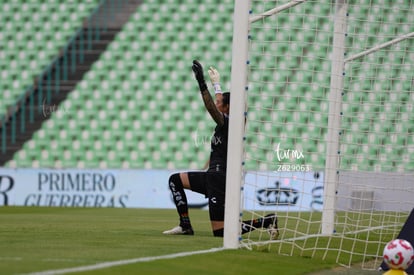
column 218, row 232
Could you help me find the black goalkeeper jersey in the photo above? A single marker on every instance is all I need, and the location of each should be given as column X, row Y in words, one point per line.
column 218, row 155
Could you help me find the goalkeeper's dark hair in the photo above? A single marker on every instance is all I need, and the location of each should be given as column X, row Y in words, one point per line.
column 226, row 98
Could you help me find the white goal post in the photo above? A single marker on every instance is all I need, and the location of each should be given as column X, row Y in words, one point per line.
column 236, row 124
column 321, row 126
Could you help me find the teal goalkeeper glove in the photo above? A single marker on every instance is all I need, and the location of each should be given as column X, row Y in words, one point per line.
column 215, row 80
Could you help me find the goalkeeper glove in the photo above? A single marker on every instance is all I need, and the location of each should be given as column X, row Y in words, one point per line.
column 199, row 75
column 215, row 80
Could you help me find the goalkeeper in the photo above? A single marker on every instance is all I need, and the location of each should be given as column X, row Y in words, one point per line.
column 212, row 183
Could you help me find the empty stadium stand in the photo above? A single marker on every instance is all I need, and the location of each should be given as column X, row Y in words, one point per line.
column 138, row 105
column 63, row 67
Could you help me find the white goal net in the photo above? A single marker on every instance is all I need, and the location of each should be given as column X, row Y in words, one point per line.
column 329, row 135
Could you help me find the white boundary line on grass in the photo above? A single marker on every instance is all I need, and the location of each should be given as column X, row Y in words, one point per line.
column 176, row 255
column 124, row 262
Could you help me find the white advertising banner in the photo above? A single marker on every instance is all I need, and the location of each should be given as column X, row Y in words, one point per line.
column 284, row 191
column 299, row 191
column 89, row 188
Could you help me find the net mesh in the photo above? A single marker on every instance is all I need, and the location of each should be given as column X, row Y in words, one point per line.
column 290, row 64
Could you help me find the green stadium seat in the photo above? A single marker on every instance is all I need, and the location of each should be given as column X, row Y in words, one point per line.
column 35, row 31
column 138, row 106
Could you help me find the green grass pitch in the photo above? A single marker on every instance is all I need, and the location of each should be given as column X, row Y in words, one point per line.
column 34, row 239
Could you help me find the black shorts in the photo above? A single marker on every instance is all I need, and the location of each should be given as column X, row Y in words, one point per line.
column 213, row 186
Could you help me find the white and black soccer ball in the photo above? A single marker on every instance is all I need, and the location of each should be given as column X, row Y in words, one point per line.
column 398, row 254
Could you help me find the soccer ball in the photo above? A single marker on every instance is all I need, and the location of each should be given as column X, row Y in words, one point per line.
column 398, row 254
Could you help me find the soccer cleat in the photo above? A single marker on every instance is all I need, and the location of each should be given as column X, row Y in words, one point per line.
column 273, row 232
column 178, row 230
column 271, row 224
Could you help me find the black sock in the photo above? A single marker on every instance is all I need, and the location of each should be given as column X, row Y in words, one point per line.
column 180, row 199
column 251, row 225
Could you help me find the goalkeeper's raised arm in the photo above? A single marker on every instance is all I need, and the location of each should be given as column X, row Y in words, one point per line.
column 221, row 106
